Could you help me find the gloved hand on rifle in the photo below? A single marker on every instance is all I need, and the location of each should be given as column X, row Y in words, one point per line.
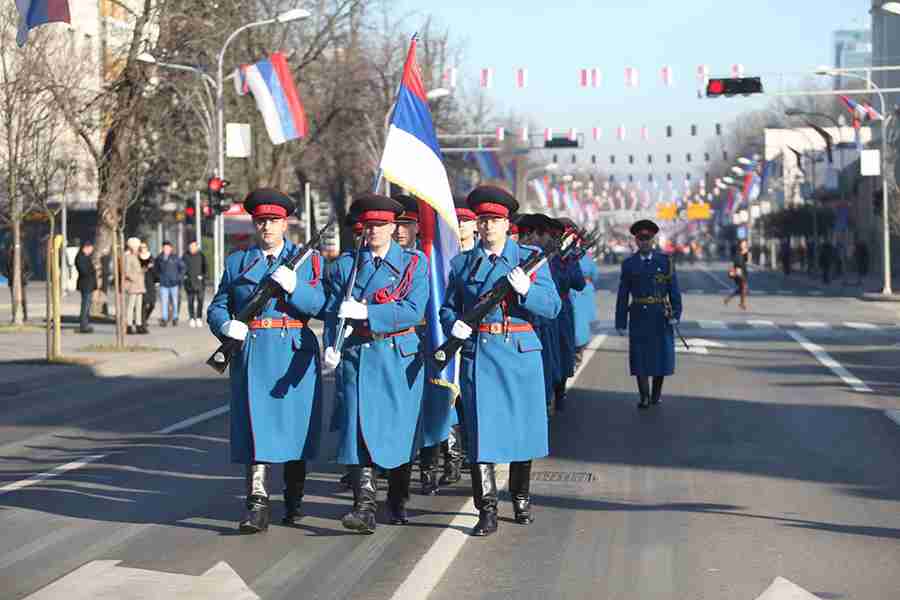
column 286, row 278
column 331, row 359
column 354, row 310
column 461, row 330
column 673, row 322
column 519, row 280
column 236, row 330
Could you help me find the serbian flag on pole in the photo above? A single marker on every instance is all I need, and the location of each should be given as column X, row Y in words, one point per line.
column 34, row 13
column 276, row 96
column 412, row 160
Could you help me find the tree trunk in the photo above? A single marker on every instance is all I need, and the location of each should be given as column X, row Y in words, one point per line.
column 16, row 272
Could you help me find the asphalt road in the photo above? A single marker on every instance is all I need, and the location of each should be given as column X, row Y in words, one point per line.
column 773, row 454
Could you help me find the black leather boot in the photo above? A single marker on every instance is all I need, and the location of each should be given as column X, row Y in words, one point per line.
column 428, row 470
column 347, row 480
column 398, row 494
column 519, row 490
column 294, row 480
column 656, row 395
column 258, row 509
column 453, row 458
column 362, row 517
column 561, row 396
column 484, row 492
column 644, row 390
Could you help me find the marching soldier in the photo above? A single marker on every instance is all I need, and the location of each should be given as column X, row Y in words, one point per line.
column 467, row 224
column 380, row 368
column 649, row 280
column 584, row 304
column 505, row 414
column 275, row 388
column 568, row 276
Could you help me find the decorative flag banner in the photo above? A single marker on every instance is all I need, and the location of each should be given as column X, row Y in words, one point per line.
column 620, row 132
column 521, row 78
column 596, row 77
column 34, row 13
column 702, row 76
column 523, row 136
column 276, row 96
column 854, row 107
column 501, row 134
column 412, row 159
column 487, row 78
column 667, row 77
column 573, row 134
column 541, row 191
column 873, row 114
column 548, row 134
column 598, row 133
column 450, row 77
column 645, row 133
column 583, row 77
column 737, row 70
column 632, row 77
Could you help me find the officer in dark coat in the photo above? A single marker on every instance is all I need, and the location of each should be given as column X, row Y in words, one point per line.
column 650, row 284
column 505, row 414
column 275, row 378
column 380, row 368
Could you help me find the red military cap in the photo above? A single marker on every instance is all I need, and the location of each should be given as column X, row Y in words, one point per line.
column 268, row 202
column 492, row 201
column 374, row 208
column 410, row 212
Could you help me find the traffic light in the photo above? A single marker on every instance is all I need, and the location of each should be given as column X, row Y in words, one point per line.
column 631, row 159
column 593, row 159
column 688, row 157
column 668, row 158
column 668, row 131
column 561, row 142
column 718, row 129
column 219, row 201
column 630, row 178
column 574, row 158
column 693, row 130
column 612, row 159
column 706, row 156
column 649, row 159
column 734, row 86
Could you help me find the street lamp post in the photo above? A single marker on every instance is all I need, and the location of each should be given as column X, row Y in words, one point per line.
column 885, row 216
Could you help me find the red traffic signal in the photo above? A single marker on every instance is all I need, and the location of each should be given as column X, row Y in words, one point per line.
column 216, row 184
column 734, row 86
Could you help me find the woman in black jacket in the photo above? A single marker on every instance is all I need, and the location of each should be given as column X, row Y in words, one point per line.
column 149, row 281
column 739, row 274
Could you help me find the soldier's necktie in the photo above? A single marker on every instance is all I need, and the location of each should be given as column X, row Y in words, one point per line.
column 377, row 261
column 271, row 259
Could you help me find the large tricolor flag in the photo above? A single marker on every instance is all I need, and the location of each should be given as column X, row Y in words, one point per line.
column 412, row 160
column 276, row 96
column 34, row 13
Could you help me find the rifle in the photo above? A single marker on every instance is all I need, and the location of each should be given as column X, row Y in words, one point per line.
column 264, row 292
column 490, row 300
column 348, row 295
column 667, row 304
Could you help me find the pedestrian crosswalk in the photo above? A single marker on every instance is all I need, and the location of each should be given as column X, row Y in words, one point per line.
column 757, row 325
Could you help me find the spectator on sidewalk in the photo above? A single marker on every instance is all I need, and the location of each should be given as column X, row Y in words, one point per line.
column 170, row 270
column 786, row 257
column 150, row 282
column 195, row 283
column 811, row 249
column 134, row 287
column 826, row 260
column 738, row 273
column 861, row 256
column 87, row 283
column 7, row 267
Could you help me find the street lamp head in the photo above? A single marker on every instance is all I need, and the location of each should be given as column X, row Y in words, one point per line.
column 146, row 57
column 293, row 15
column 824, row 70
column 552, row 166
column 891, row 7
column 437, row 93
column 793, row 112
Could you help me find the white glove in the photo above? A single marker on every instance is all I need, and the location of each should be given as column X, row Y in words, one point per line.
column 621, row 332
column 519, row 281
column 673, row 321
column 331, row 358
column 461, row 330
column 236, row 330
column 351, row 309
column 286, row 278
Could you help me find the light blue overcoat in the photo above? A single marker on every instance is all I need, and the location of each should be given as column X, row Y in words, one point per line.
column 584, row 301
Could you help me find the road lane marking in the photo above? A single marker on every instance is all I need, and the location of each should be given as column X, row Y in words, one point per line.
column 816, row 293
column 893, row 415
column 711, row 324
column 761, row 324
column 823, row 357
column 864, row 326
column 431, row 566
column 812, row 325
column 86, row 460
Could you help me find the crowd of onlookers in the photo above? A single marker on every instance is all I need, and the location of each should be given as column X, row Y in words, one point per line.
column 146, row 281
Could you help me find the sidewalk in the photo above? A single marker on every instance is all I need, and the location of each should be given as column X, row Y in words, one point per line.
column 846, row 284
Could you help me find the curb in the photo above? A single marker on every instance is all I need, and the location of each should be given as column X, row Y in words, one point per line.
column 879, row 297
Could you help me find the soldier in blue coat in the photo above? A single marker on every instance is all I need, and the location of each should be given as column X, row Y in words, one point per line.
column 380, row 368
column 568, row 276
column 649, row 281
column 275, row 388
column 584, row 305
column 505, row 415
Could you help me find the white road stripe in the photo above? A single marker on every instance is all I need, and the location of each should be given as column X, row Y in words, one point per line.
column 430, row 568
column 696, row 292
column 816, row 293
column 893, row 415
column 837, row 368
column 712, row 324
column 812, row 325
column 77, row 464
column 761, row 324
column 866, row 326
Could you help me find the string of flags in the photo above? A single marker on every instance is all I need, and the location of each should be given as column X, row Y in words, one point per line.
column 592, row 77
column 597, row 133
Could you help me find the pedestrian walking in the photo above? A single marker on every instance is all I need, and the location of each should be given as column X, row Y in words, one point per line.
column 826, row 260
column 86, row 284
column 738, row 273
column 134, row 287
column 150, row 282
column 786, row 257
column 276, row 377
column 501, row 358
column 195, row 282
column 861, row 257
column 380, row 368
column 170, row 271
column 648, row 289
column 26, row 277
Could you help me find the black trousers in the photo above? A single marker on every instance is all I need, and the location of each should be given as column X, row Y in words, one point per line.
column 195, row 302
column 85, row 316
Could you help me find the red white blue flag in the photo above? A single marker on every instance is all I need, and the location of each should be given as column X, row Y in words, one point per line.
column 276, row 96
column 34, row 13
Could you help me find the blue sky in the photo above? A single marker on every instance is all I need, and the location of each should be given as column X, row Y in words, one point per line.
column 554, row 40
